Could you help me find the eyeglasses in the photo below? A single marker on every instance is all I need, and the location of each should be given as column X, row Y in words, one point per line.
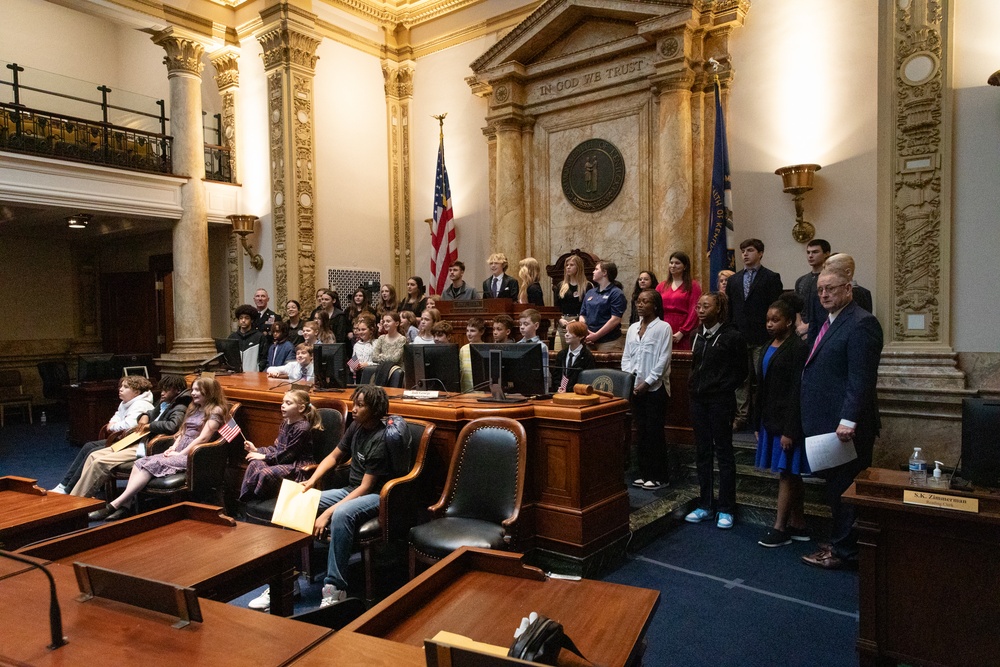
column 829, row 290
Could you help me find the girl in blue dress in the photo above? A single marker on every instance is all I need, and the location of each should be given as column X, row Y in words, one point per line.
column 780, row 443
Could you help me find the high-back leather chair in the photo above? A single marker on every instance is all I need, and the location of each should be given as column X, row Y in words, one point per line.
column 333, row 417
column 202, row 480
column 481, row 501
column 401, row 502
column 621, row 385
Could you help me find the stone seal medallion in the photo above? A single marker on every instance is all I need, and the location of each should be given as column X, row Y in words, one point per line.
column 593, row 174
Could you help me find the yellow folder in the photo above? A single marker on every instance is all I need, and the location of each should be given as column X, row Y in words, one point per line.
column 296, row 508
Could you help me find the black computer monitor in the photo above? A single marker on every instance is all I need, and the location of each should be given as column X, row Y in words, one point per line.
column 121, row 362
column 980, row 448
column 232, row 356
column 95, row 367
column 432, row 367
column 513, row 367
column 330, row 364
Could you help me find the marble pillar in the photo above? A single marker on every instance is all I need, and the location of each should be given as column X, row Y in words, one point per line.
column 920, row 384
column 227, row 78
column 192, row 296
column 507, row 235
column 674, row 222
column 398, row 78
column 289, row 40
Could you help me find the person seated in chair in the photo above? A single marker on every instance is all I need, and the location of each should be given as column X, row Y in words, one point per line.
column 343, row 510
column 299, row 370
column 163, row 420
column 135, row 392
column 208, row 411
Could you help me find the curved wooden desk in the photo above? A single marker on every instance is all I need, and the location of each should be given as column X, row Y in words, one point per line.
column 575, row 500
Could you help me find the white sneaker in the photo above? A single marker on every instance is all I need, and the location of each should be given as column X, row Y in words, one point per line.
column 59, row 489
column 332, row 595
column 639, row 482
column 262, row 602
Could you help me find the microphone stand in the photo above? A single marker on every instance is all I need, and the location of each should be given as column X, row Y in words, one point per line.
column 55, row 616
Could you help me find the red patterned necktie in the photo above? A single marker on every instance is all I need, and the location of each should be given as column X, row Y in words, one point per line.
column 822, row 332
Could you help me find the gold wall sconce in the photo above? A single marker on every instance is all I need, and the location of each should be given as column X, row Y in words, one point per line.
column 797, row 180
column 243, row 226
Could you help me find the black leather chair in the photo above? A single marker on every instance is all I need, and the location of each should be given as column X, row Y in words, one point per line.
column 401, row 502
column 202, row 480
column 621, row 385
column 481, row 501
column 385, row 374
column 333, row 416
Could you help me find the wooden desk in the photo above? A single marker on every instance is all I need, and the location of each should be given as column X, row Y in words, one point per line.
column 483, row 595
column 102, row 632
column 29, row 513
column 189, row 545
column 575, row 500
column 91, row 405
column 928, row 576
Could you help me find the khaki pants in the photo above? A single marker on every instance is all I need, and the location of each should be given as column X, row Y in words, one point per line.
column 611, row 346
column 97, row 469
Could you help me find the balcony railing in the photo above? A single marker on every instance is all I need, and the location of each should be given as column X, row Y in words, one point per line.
column 55, row 133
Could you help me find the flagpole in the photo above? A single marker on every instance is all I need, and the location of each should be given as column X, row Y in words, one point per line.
column 444, row 248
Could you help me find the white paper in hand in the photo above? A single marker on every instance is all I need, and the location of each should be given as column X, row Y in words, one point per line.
column 296, row 508
column 827, row 451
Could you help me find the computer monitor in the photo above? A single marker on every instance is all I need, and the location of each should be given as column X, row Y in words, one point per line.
column 330, row 364
column 980, row 448
column 95, row 367
column 232, row 356
column 121, row 362
column 432, row 367
column 513, row 367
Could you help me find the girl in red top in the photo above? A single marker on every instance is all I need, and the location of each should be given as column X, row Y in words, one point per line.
column 680, row 294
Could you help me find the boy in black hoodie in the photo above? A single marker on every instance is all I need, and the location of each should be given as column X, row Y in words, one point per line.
column 718, row 368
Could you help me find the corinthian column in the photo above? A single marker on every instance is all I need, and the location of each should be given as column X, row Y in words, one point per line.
column 192, row 297
column 289, row 41
column 227, row 78
column 507, row 231
column 398, row 97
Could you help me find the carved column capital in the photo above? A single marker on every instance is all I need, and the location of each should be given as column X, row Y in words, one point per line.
column 284, row 45
column 398, row 78
column 227, row 68
column 184, row 52
column 479, row 88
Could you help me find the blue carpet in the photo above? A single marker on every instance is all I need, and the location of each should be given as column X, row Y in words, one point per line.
column 39, row 452
column 725, row 600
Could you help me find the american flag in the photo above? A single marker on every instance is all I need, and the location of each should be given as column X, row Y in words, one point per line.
column 230, row 431
column 563, row 385
column 352, row 363
column 444, row 247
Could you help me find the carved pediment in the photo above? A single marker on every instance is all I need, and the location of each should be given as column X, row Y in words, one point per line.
column 561, row 27
column 588, row 34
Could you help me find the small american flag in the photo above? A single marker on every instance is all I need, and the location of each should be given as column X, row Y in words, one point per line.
column 230, row 431
column 352, row 363
column 563, row 385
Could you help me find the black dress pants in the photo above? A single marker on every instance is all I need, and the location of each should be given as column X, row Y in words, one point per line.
column 712, row 419
column 649, row 411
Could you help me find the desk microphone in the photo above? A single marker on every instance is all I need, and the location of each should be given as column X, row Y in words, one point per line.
column 55, row 616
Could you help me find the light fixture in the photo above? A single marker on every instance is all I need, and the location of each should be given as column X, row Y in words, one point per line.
column 78, row 221
column 242, row 226
column 797, row 181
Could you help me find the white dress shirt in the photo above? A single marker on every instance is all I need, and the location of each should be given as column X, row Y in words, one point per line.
column 649, row 357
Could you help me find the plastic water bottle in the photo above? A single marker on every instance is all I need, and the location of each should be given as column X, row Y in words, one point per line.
column 44, row 419
column 918, row 468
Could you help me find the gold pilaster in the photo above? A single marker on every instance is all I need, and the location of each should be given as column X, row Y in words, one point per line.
column 398, row 79
column 289, row 41
column 227, row 78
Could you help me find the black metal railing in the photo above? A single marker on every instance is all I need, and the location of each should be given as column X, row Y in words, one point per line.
column 41, row 133
column 50, row 133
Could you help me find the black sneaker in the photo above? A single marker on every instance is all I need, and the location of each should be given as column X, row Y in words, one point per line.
column 775, row 538
column 798, row 534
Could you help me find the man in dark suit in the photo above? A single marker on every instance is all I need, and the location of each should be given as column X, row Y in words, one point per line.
column 265, row 316
column 499, row 285
column 750, row 293
column 862, row 296
column 817, row 250
column 839, row 395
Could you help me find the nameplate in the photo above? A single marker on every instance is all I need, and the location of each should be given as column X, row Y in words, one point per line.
column 420, row 395
column 941, row 500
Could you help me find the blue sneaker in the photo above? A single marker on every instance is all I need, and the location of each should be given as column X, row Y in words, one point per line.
column 725, row 521
column 699, row 515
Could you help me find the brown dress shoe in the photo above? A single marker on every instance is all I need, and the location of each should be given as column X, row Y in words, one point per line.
column 825, row 559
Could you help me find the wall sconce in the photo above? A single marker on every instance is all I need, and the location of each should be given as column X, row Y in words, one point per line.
column 78, row 221
column 797, row 181
column 243, row 225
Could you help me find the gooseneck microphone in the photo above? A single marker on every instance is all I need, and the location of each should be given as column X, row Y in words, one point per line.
column 55, row 616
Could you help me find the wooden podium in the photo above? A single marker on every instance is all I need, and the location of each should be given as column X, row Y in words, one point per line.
column 928, row 576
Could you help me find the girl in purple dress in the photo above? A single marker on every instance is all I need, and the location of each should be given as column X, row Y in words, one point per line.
column 291, row 451
column 208, row 411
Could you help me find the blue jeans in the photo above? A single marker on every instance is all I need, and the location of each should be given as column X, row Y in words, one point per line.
column 343, row 525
